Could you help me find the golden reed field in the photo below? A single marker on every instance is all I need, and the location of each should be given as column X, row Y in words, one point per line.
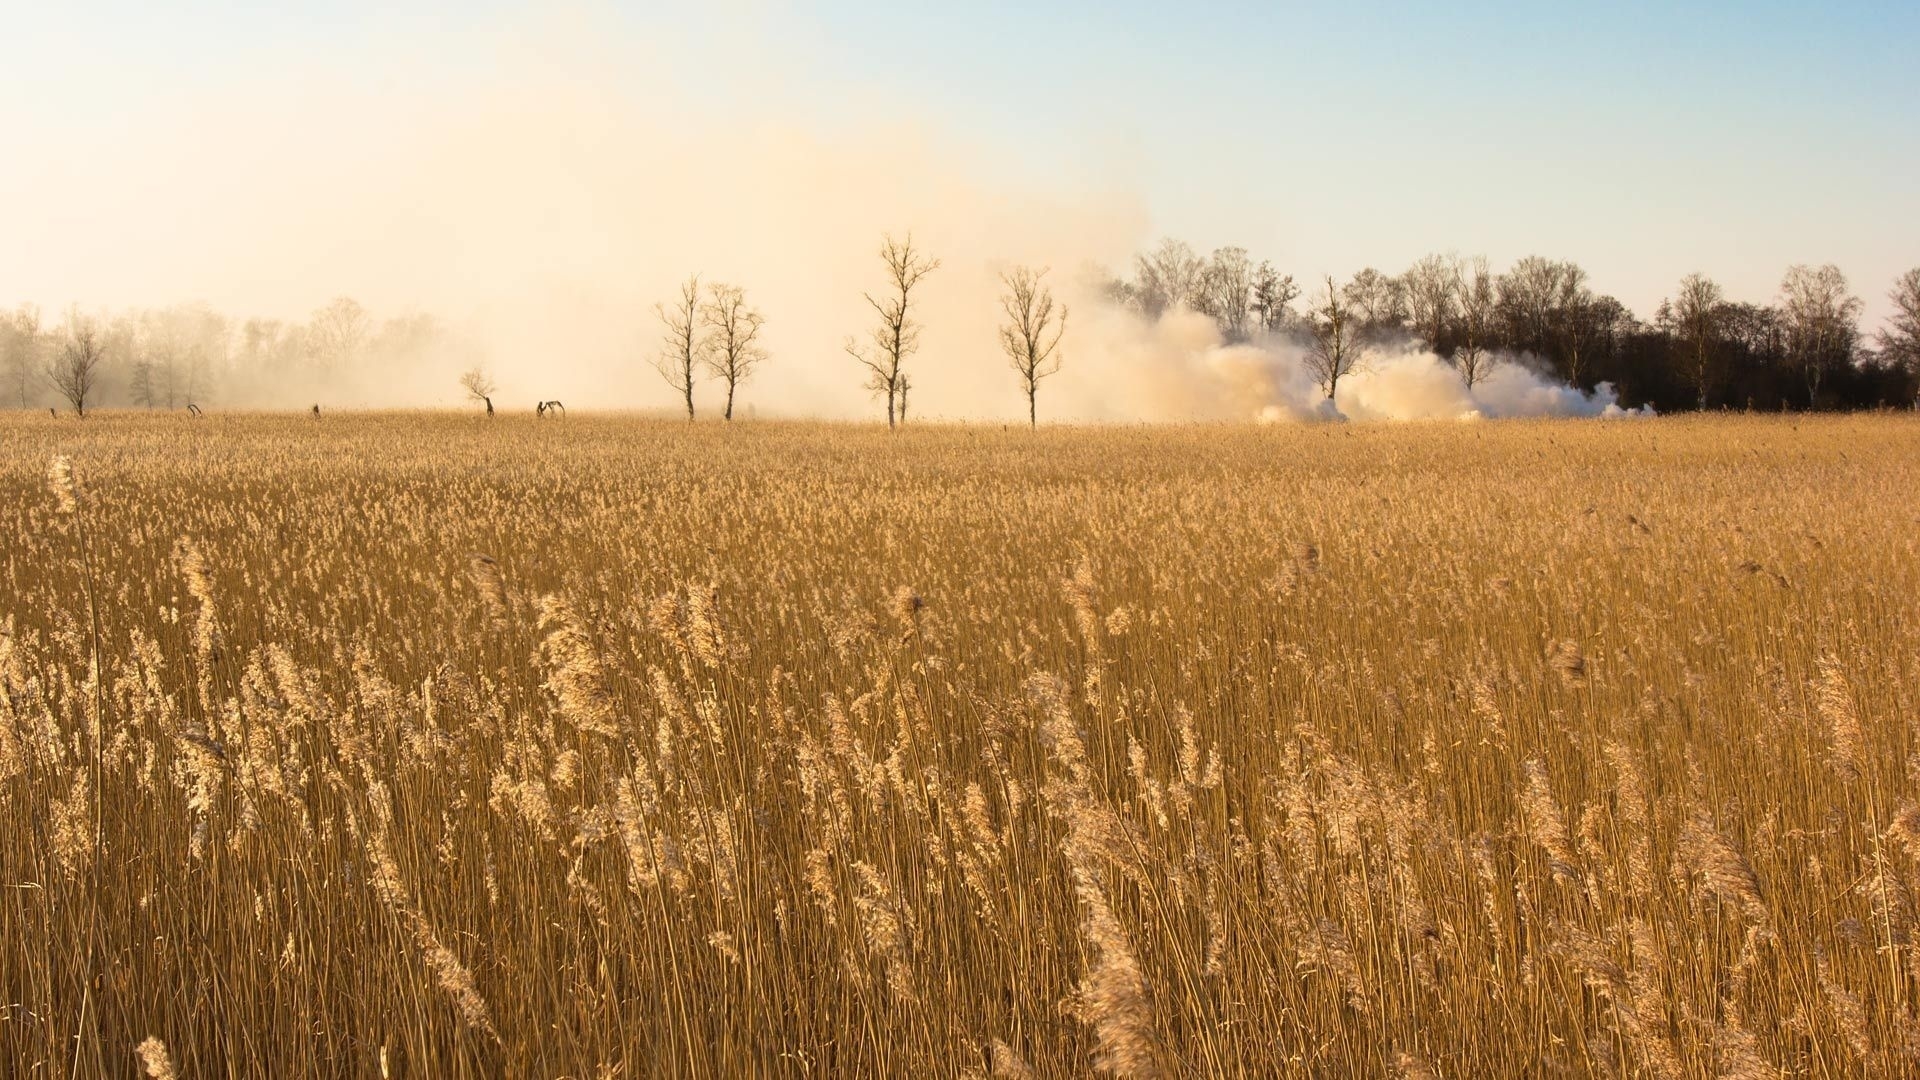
column 425, row 746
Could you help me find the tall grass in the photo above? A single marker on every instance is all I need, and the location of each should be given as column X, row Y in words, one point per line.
column 414, row 746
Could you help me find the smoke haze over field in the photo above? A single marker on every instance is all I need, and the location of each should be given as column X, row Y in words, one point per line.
column 541, row 214
column 538, row 182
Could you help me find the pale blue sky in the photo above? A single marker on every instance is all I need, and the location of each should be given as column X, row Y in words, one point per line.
column 1643, row 140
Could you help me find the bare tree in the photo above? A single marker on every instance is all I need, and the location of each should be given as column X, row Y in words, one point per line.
column 897, row 336
column 1821, row 321
column 1031, row 335
column 20, row 350
column 681, row 350
column 74, row 371
column 1529, row 296
column 1226, row 291
column 1379, row 303
column 1579, row 321
column 339, row 332
column 1273, row 297
column 1334, row 351
column 1695, row 317
column 141, row 386
column 733, row 338
column 479, row 386
column 1430, row 298
column 1590, row 328
column 1900, row 338
column 1169, row 278
column 1474, row 311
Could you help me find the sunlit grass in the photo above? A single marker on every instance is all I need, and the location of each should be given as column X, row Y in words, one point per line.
column 608, row 747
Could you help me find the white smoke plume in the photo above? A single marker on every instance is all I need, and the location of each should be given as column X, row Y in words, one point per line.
column 1179, row 367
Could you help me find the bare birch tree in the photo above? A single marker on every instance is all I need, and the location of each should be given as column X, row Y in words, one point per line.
column 1695, row 314
column 681, row 350
column 1474, row 312
column 733, row 337
column 888, row 346
column 1822, row 320
column 1900, row 338
column 1032, row 332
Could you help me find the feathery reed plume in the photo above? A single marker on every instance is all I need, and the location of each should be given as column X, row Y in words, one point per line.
column 1632, row 802
column 1835, row 703
column 1079, row 592
column 155, row 1059
column 574, row 675
column 60, row 483
column 1410, row 1066
column 1647, row 1017
column 488, row 581
column 1113, row 992
column 449, row 973
column 1849, row 1015
column 1307, row 557
column 198, row 575
column 73, row 826
column 884, row 924
column 1007, row 1063
column 706, row 637
column 1736, row 1051
column 1486, row 706
column 1566, row 658
column 1546, row 825
column 1701, row 851
column 904, row 605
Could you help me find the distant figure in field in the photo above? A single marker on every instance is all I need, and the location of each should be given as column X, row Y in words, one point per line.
column 549, row 408
column 316, row 412
column 192, row 409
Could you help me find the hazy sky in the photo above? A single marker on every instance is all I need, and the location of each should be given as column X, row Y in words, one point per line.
column 149, row 154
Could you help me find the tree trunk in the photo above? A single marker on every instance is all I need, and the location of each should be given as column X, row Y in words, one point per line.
column 1033, row 416
column 729, row 400
column 689, row 401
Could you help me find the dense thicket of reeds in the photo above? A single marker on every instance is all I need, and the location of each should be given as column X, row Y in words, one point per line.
column 425, row 746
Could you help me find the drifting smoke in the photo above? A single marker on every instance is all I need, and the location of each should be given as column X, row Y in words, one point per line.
column 1178, row 367
column 536, row 201
column 537, row 205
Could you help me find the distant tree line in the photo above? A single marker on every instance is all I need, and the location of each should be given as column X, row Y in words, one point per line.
column 1804, row 350
column 171, row 358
